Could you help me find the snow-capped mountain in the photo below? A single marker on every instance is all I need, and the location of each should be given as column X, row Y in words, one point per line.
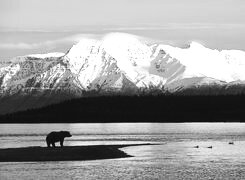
column 119, row 63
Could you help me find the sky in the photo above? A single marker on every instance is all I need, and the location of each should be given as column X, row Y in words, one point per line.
column 41, row 26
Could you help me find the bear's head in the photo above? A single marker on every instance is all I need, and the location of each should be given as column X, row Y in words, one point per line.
column 66, row 133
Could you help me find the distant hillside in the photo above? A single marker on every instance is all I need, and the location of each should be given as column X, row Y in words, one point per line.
column 137, row 109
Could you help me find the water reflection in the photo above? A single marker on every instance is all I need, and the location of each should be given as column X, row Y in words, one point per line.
column 173, row 158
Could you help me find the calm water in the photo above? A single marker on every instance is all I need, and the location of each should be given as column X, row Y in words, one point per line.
column 174, row 158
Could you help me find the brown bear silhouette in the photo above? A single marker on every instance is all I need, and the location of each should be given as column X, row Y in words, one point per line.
column 54, row 137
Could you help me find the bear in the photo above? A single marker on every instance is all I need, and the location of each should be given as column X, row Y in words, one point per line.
column 54, row 137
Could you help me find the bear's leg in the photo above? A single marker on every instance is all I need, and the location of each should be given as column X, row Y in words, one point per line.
column 53, row 144
column 61, row 142
column 48, row 143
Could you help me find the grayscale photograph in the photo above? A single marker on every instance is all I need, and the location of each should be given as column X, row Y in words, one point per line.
column 122, row 89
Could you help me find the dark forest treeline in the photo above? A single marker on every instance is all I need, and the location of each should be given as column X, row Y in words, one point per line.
column 171, row 108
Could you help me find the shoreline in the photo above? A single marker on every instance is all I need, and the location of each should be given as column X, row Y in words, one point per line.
column 67, row 153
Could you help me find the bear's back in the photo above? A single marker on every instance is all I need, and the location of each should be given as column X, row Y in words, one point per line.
column 55, row 136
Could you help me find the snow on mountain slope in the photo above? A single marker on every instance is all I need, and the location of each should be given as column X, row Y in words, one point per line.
column 165, row 66
column 227, row 65
column 33, row 72
column 114, row 54
column 120, row 61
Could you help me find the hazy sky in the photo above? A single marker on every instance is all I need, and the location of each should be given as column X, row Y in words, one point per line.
column 28, row 26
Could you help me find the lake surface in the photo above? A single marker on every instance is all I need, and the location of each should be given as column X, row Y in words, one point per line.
column 173, row 158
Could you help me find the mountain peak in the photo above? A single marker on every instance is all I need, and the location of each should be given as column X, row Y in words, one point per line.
column 115, row 52
column 196, row 45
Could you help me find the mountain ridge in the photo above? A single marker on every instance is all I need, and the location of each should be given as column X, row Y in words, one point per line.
column 118, row 63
